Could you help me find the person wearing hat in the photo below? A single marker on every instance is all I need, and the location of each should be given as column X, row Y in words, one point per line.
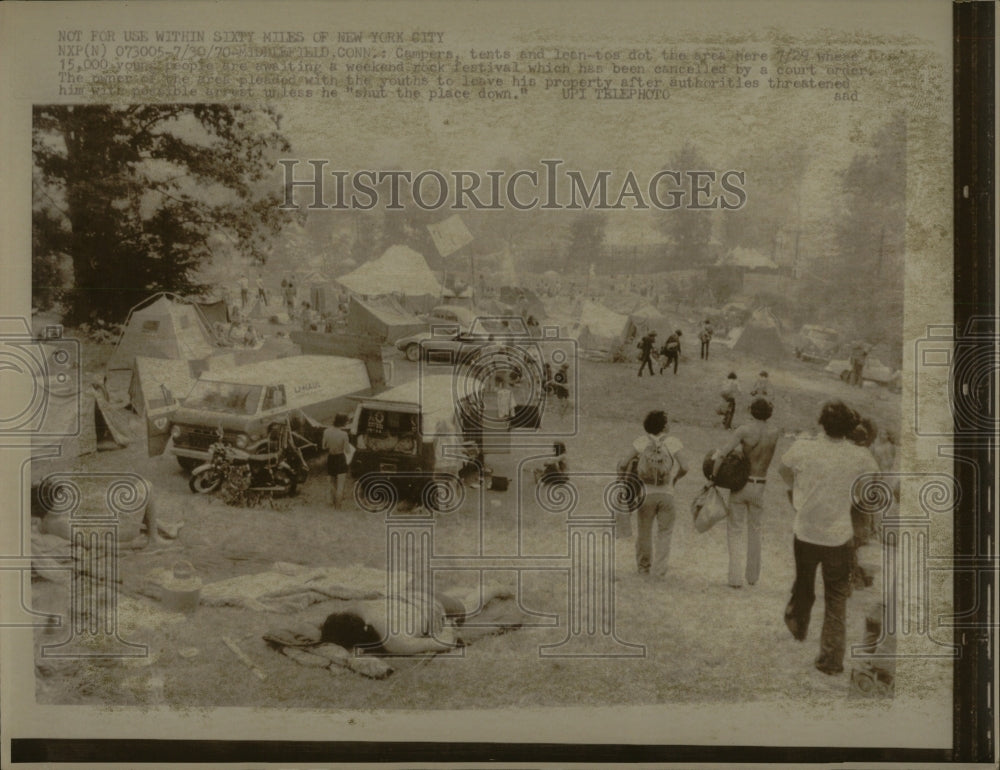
column 671, row 351
column 645, row 346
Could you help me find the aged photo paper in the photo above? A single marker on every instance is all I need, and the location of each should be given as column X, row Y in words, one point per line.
column 476, row 373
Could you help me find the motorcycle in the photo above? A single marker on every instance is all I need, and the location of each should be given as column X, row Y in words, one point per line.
column 274, row 465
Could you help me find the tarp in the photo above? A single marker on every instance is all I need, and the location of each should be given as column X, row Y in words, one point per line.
column 383, row 318
column 151, row 376
column 400, row 270
column 760, row 337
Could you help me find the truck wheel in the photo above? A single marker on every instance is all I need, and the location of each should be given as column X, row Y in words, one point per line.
column 413, row 352
column 188, row 464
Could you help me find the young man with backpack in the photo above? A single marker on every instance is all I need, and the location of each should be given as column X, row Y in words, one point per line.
column 659, row 464
column 671, row 351
column 757, row 440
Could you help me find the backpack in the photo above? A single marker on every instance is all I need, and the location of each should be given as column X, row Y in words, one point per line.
column 734, row 471
column 655, row 463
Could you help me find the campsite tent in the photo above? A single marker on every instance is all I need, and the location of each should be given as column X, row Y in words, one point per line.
column 214, row 311
column 400, row 271
column 524, row 300
column 383, row 318
column 601, row 332
column 761, row 337
column 642, row 320
column 82, row 421
column 164, row 326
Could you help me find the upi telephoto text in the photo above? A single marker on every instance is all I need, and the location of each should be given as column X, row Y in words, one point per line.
column 315, row 188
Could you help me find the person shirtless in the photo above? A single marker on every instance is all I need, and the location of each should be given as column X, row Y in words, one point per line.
column 758, row 440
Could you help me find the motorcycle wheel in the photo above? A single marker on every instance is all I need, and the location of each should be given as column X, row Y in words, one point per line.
column 286, row 481
column 206, row 482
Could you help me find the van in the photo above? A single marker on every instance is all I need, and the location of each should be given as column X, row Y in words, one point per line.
column 245, row 400
column 413, row 433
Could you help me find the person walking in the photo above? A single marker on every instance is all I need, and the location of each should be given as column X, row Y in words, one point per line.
column 762, row 388
column 757, row 440
column 645, row 346
column 705, row 337
column 859, row 354
column 730, row 389
column 659, row 464
column 261, row 291
column 335, row 442
column 821, row 473
column 671, row 351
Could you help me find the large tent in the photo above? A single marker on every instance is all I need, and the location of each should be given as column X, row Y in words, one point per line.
column 164, row 326
column 400, row 271
column 82, row 421
column 383, row 318
column 644, row 319
column 761, row 337
column 601, row 331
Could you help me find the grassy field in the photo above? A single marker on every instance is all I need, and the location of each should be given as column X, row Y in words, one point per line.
column 704, row 642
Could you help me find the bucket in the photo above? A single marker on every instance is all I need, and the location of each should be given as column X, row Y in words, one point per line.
column 180, row 590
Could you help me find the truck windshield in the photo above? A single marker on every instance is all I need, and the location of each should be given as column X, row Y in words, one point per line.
column 224, row 397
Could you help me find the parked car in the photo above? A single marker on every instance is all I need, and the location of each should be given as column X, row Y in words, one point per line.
column 817, row 344
column 446, row 337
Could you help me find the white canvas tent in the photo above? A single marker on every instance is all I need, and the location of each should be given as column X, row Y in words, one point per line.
column 400, row 270
column 761, row 337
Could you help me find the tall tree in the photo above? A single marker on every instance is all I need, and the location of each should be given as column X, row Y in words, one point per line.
column 586, row 239
column 863, row 286
column 690, row 229
column 140, row 189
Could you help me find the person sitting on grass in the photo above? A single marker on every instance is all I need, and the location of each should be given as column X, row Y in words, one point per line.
column 762, row 388
column 553, row 470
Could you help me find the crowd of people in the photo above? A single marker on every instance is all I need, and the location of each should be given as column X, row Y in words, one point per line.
column 669, row 353
column 820, row 472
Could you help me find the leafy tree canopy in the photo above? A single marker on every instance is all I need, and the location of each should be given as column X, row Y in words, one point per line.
column 132, row 195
